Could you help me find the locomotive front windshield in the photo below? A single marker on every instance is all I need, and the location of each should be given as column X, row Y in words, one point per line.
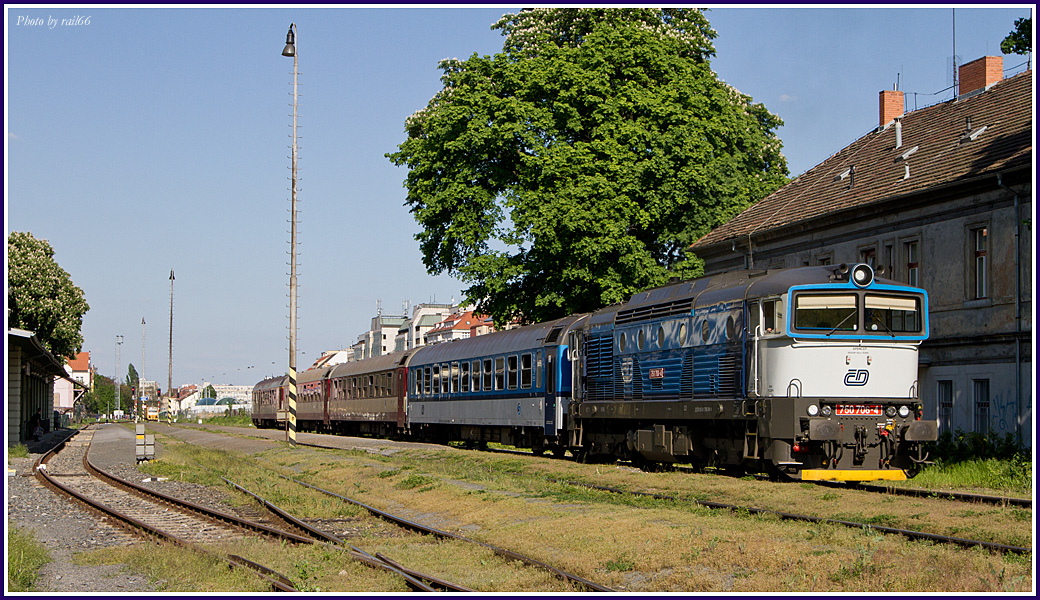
column 830, row 312
column 851, row 313
column 893, row 314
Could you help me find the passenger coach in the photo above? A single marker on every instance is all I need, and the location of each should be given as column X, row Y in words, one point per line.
column 511, row 387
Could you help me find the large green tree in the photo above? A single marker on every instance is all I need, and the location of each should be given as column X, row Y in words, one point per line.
column 1019, row 41
column 43, row 298
column 573, row 168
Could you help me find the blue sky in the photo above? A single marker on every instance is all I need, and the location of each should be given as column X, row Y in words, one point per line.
column 149, row 139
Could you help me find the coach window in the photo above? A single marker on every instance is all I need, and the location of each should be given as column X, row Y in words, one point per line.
column 390, row 384
column 464, row 377
column 428, row 381
column 525, row 371
column 454, row 378
column 512, row 372
column 436, row 389
column 445, row 377
column 475, row 375
column 500, row 373
column 487, row 375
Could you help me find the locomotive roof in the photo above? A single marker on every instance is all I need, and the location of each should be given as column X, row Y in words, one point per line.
column 682, row 297
column 499, row 342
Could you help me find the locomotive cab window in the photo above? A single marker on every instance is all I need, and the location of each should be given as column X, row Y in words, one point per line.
column 827, row 312
column 892, row 314
column 772, row 317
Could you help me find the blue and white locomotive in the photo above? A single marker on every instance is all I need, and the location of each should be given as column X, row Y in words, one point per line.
column 811, row 373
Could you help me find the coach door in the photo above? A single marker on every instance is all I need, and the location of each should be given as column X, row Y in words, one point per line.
column 402, row 390
column 326, row 387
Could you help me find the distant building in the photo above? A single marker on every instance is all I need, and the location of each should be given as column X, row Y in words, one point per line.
column 69, row 389
column 424, row 317
column 941, row 198
column 242, row 393
column 456, row 326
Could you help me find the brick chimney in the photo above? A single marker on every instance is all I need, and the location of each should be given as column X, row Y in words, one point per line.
column 891, row 102
column 981, row 73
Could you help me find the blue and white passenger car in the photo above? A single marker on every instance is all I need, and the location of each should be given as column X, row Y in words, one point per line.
column 510, row 386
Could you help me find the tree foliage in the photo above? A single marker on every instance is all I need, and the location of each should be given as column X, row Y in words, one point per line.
column 43, row 298
column 1019, row 41
column 573, row 168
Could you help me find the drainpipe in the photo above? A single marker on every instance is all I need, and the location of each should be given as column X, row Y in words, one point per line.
column 1018, row 305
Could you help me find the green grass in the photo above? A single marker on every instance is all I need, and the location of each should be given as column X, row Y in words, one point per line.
column 25, row 557
column 1010, row 476
column 19, row 451
column 231, row 421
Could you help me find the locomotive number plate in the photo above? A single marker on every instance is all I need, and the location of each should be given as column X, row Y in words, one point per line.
column 657, row 373
column 858, row 410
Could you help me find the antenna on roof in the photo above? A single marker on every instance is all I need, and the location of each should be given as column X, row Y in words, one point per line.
column 955, row 53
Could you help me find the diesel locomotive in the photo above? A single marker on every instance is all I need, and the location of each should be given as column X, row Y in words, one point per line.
column 808, row 373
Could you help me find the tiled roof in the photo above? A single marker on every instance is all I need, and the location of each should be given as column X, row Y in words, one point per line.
column 941, row 158
column 81, row 362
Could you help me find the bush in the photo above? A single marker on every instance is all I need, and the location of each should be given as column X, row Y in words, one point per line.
column 960, row 446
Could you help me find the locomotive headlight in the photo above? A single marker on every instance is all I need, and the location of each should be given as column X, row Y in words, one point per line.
column 826, row 411
column 890, row 411
column 813, row 410
column 904, row 411
column 862, row 275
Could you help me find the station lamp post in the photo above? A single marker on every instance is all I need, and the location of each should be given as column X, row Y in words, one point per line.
column 290, row 50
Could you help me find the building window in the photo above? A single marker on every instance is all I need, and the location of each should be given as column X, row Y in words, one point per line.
column 868, row 256
column 913, row 265
column 944, row 401
column 981, row 399
column 979, row 240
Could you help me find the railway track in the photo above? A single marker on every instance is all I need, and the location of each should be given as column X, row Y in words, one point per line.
column 908, row 533
column 68, row 471
column 417, row 580
column 424, row 529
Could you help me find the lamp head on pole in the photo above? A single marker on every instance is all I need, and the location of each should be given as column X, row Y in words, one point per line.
column 290, row 42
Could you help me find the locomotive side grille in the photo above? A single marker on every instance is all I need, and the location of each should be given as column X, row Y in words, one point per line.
column 729, row 373
column 716, row 372
column 686, row 383
column 637, row 380
column 599, row 367
column 655, row 311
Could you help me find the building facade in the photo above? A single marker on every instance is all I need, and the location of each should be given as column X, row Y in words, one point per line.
column 941, row 198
